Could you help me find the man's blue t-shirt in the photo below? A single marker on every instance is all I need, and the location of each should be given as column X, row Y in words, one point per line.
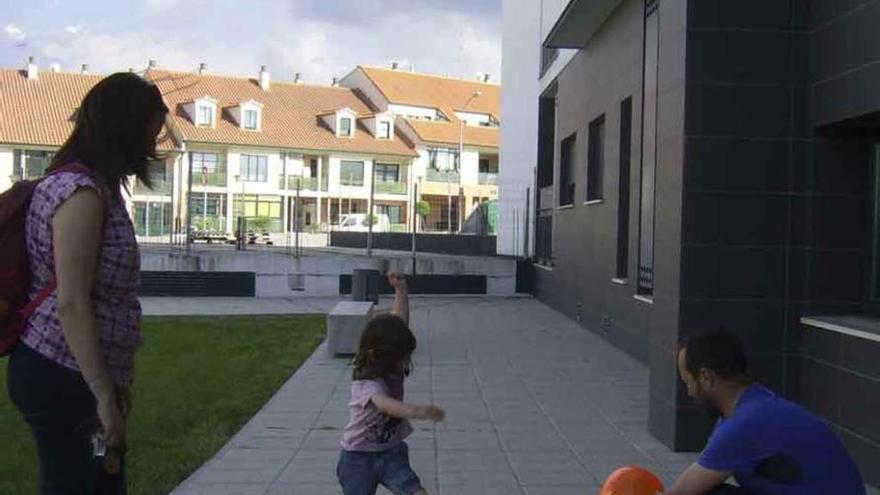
column 766, row 426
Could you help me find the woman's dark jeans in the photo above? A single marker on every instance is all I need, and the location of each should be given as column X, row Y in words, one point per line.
column 62, row 413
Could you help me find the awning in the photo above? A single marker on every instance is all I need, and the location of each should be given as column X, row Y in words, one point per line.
column 579, row 22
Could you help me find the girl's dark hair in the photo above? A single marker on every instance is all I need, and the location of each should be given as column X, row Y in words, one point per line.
column 386, row 342
column 111, row 133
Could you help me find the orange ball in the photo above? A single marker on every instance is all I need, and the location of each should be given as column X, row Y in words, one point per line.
column 632, row 480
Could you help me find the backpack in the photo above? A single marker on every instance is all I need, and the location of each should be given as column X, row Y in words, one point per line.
column 15, row 269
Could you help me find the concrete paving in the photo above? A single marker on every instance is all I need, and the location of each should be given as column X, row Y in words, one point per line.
column 536, row 406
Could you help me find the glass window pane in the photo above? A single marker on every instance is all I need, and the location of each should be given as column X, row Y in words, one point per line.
column 352, row 173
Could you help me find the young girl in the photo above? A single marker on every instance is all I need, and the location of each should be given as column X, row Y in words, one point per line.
column 373, row 447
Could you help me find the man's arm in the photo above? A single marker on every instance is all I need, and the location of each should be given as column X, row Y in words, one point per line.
column 401, row 296
column 697, row 480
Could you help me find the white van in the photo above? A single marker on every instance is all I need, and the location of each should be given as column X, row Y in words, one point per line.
column 357, row 222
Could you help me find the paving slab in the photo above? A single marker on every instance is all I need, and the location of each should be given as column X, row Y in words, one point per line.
column 535, row 405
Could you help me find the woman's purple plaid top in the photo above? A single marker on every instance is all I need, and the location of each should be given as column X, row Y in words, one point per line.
column 115, row 295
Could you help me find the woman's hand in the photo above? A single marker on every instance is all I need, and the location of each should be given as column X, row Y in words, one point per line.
column 113, row 424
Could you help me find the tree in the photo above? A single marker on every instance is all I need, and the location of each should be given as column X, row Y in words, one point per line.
column 259, row 224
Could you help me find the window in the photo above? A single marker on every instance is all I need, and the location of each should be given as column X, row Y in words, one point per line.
column 566, row 170
column 351, row 173
column 649, row 151
column 205, row 116
column 30, row 164
column 443, row 158
column 251, row 121
column 159, row 174
column 208, row 169
column 484, row 165
column 623, row 189
column 596, row 159
column 394, row 213
column 262, row 213
column 387, row 172
column 546, row 137
column 151, row 218
column 254, row 168
column 548, row 56
column 384, row 129
column 208, row 211
column 345, row 127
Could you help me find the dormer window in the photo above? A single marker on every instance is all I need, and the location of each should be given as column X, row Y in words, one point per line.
column 248, row 115
column 345, row 127
column 205, row 115
column 384, row 130
column 251, row 118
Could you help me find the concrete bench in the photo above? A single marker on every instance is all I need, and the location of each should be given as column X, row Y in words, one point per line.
column 344, row 326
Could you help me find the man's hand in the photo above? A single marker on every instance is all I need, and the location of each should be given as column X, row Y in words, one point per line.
column 398, row 282
column 697, row 480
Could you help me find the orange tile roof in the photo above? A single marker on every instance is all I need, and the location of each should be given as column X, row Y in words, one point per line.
column 446, row 94
column 289, row 117
column 41, row 112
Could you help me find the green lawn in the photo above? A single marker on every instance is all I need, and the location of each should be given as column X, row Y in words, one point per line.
column 197, row 381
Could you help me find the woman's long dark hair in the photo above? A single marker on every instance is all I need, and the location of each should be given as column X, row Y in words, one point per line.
column 111, row 133
column 386, row 344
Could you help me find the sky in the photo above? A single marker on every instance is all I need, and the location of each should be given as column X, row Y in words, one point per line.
column 320, row 39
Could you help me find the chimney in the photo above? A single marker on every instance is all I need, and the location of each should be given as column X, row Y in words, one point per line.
column 412, row 67
column 131, row 70
column 296, row 78
column 335, row 82
column 151, row 64
column 84, row 70
column 203, row 67
column 480, row 76
column 56, row 67
column 395, row 65
column 265, row 80
column 487, row 77
column 33, row 72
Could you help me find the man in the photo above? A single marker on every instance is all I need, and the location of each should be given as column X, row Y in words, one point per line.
column 770, row 446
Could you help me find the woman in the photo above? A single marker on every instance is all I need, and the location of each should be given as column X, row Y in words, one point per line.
column 71, row 374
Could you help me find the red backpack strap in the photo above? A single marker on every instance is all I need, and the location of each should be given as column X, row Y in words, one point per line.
column 36, row 302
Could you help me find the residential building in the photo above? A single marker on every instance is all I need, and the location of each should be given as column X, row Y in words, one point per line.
column 38, row 109
column 253, row 146
column 704, row 164
column 257, row 149
column 454, row 125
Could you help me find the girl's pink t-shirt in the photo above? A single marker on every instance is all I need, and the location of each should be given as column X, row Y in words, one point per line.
column 368, row 429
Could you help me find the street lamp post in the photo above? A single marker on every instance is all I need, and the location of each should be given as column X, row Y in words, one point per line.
column 475, row 95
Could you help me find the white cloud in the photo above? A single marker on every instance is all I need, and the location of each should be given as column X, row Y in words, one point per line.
column 14, row 32
column 320, row 45
column 107, row 53
column 444, row 42
column 160, row 5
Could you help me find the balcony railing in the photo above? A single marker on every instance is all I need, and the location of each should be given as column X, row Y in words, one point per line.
column 213, row 179
column 160, row 188
column 435, row 175
column 488, row 179
column 306, row 183
column 391, row 187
